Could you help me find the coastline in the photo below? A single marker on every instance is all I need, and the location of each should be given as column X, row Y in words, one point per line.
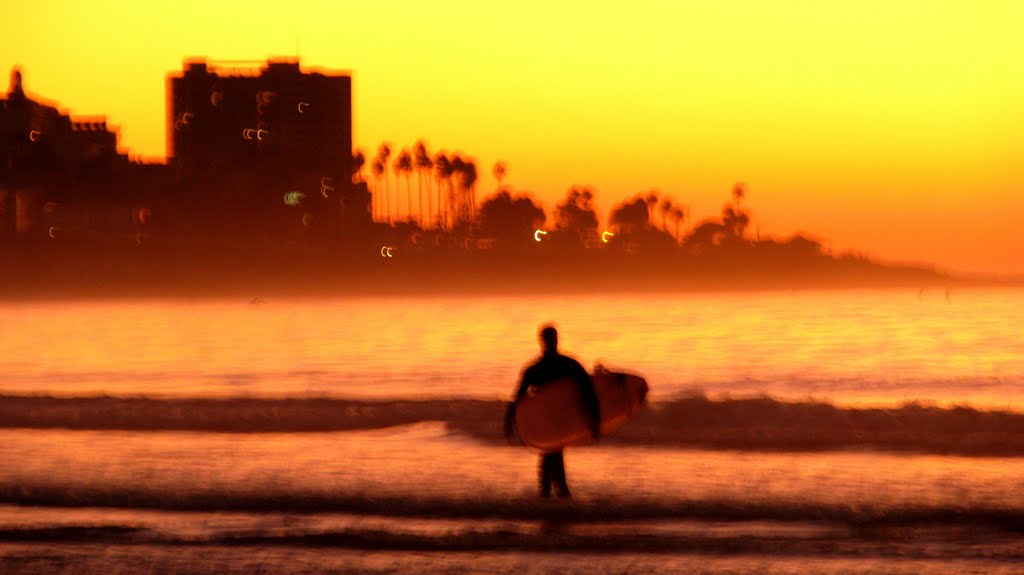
column 36, row 270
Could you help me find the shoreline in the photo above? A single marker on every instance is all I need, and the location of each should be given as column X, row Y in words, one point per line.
column 41, row 271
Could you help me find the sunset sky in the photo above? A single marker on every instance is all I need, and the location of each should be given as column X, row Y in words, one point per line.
column 890, row 127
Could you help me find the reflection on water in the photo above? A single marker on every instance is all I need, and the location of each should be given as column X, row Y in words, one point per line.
column 847, row 346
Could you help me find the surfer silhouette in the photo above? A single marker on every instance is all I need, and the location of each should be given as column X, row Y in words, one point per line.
column 553, row 366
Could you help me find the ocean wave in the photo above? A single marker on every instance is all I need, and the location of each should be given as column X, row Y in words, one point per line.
column 560, row 538
column 694, row 421
column 591, row 510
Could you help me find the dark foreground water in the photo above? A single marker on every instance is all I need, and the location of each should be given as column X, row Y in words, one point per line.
column 424, row 498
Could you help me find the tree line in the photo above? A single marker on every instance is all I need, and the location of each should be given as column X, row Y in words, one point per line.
column 445, row 199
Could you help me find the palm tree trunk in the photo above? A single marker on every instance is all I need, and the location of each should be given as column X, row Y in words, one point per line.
column 430, row 202
column 408, row 195
column 377, row 200
column 387, row 199
column 419, row 188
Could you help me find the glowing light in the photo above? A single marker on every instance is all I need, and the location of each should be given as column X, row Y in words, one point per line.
column 385, row 252
column 293, row 197
column 303, row 106
column 606, row 235
column 326, row 185
column 260, row 134
column 307, row 220
column 138, row 238
column 186, row 118
column 53, row 231
column 216, row 98
column 34, row 135
column 537, row 234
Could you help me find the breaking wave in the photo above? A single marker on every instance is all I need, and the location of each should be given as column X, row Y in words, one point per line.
column 695, row 421
column 598, row 509
column 934, row 544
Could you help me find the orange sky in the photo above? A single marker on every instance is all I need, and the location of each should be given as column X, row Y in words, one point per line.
column 890, row 127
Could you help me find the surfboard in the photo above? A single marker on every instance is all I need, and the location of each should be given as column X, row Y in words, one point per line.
column 554, row 415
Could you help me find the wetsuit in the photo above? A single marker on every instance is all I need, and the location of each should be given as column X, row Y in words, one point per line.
column 550, row 367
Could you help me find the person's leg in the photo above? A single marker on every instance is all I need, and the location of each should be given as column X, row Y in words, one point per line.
column 545, row 475
column 558, row 475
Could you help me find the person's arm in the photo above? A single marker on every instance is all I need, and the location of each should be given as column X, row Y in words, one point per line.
column 524, row 385
column 510, row 408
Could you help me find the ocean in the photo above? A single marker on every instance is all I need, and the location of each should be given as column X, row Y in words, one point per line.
column 859, row 431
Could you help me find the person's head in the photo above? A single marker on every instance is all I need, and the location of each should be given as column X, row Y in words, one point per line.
column 549, row 338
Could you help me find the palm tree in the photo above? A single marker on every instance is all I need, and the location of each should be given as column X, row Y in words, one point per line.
column 468, row 180
column 455, row 189
column 734, row 217
column 423, row 165
column 499, row 172
column 358, row 161
column 739, row 191
column 383, row 153
column 652, row 202
column 378, row 169
column 678, row 214
column 576, row 214
column 666, row 209
column 403, row 165
column 443, row 172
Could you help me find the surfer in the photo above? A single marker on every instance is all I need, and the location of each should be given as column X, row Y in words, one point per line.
column 553, row 366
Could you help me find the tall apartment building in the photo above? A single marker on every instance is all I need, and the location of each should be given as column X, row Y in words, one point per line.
column 223, row 115
column 247, row 134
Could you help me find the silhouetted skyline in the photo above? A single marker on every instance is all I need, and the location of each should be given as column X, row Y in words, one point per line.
column 262, row 153
column 893, row 137
column 261, row 160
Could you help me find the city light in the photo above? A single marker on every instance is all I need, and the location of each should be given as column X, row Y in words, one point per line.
column 326, row 185
column 605, row 235
column 34, row 135
column 385, row 252
column 537, row 234
column 293, row 198
column 303, row 106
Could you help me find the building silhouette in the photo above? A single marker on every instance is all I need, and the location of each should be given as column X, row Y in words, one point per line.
column 223, row 116
column 254, row 152
column 58, row 168
column 266, row 148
